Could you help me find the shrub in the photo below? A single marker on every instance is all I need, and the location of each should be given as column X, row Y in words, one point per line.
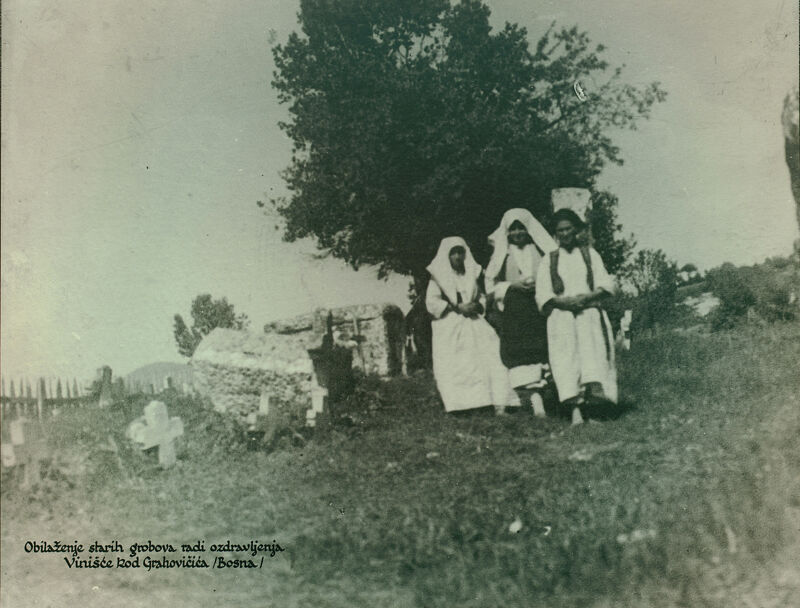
column 765, row 292
column 655, row 278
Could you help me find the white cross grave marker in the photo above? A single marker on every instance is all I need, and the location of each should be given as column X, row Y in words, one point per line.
column 625, row 329
column 158, row 429
column 9, row 459
column 26, row 449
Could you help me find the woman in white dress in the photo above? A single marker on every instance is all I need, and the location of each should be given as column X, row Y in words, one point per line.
column 466, row 350
column 571, row 285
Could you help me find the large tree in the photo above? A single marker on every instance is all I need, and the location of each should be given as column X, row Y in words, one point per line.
column 412, row 120
column 207, row 314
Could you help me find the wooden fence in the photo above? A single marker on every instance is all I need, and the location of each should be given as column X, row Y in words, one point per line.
column 47, row 397
column 44, row 397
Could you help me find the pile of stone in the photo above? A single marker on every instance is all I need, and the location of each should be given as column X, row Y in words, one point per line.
column 238, row 370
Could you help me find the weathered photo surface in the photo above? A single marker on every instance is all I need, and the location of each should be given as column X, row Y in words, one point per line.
column 400, row 303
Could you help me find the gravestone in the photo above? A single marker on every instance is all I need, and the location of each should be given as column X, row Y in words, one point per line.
column 261, row 425
column 625, row 330
column 156, row 429
column 9, row 459
column 26, row 449
column 104, row 374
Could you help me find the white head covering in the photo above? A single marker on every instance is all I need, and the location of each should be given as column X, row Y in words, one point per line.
column 443, row 273
column 499, row 238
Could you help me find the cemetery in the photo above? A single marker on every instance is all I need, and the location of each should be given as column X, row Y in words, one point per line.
column 179, row 467
column 305, row 452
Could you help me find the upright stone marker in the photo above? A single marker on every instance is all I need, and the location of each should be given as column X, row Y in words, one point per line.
column 157, row 429
column 105, row 386
column 26, row 442
column 40, row 398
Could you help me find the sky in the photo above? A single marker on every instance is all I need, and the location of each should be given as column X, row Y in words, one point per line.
column 137, row 138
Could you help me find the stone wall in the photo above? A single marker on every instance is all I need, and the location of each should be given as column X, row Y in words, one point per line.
column 233, row 368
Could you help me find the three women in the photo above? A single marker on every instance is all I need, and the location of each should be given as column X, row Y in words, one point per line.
column 550, row 296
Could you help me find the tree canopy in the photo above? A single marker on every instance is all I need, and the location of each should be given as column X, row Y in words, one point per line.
column 207, row 314
column 413, row 120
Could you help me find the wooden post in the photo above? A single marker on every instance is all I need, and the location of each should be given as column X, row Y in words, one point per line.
column 105, row 386
column 40, row 397
column 11, row 392
column 75, row 387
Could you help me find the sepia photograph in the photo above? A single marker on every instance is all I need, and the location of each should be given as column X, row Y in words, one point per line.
column 400, row 304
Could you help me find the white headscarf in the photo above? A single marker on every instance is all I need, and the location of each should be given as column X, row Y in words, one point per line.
column 499, row 238
column 443, row 273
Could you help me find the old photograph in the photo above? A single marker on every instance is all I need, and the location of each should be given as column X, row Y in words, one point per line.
column 400, row 304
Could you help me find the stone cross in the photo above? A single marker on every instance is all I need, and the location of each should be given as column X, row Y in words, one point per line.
column 25, row 449
column 159, row 430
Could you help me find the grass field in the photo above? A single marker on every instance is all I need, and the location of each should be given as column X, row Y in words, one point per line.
column 689, row 495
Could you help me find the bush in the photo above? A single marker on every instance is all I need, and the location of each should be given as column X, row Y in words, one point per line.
column 764, row 292
column 655, row 278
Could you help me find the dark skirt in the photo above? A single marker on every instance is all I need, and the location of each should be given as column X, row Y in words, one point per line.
column 523, row 331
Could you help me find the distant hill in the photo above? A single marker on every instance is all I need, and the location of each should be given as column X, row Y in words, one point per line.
column 156, row 373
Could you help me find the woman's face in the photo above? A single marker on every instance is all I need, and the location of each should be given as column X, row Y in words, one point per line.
column 517, row 235
column 565, row 232
column 457, row 257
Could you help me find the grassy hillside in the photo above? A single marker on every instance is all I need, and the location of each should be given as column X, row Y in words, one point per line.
column 690, row 496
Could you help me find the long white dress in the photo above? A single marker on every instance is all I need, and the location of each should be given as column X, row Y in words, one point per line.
column 466, row 351
column 581, row 345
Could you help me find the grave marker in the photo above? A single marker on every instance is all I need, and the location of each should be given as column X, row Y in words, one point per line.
column 26, row 450
column 157, row 429
column 9, row 459
column 105, row 386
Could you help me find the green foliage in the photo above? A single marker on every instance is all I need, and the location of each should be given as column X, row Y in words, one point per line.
column 614, row 250
column 655, row 279
column 207, row 314
column 413, row 120
column 767, row 292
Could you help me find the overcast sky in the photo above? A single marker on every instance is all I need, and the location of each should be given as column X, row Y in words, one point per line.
column 138, row 136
